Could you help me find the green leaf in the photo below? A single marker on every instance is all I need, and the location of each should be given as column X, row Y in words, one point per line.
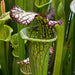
column 5, row 33
column 0, row 66
column 42, row 3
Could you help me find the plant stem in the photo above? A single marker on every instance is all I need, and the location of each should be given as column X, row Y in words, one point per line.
column 21, row 46
column 3, row 61
column 6, row 55
column 23, row 4
column 60, row 41
column 15, row 66
column 72, row 58
column 59, row 49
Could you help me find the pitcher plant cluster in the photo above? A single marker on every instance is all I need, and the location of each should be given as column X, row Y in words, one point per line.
column 37, row 37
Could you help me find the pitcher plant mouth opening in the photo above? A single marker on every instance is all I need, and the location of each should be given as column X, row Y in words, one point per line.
column 5, row 30
column 24, row 34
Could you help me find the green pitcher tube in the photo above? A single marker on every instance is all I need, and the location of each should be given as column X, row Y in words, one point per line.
column 39, row 55
column 38, row 52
